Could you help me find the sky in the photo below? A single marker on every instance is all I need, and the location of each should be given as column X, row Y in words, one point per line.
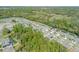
column 39, row 2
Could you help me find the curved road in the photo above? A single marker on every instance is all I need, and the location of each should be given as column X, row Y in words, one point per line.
column 69, row 40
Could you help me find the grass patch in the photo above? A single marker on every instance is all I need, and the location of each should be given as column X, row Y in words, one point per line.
column 30, row 40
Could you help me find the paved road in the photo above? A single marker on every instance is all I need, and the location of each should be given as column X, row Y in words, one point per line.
column 69, row 40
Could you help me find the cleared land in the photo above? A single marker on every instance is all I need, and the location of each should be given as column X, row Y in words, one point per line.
column 63, row 24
